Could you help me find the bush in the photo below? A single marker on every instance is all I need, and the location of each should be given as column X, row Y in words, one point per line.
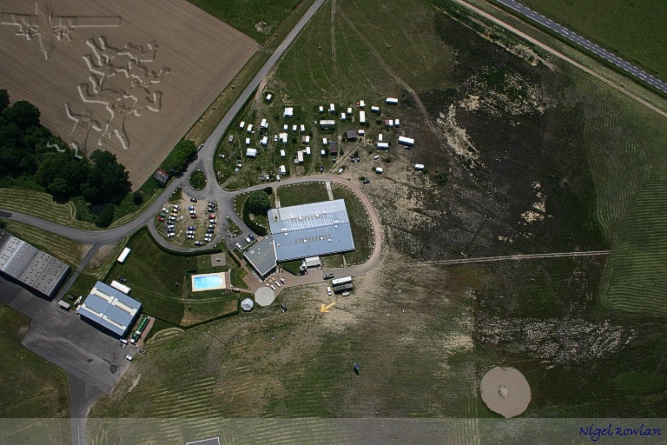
column 137, row 197
column 106, row 217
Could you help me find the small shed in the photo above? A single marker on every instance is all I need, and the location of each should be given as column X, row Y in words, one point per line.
column 333, row 148
column 325, row 141
column 242, row 125
column 247, row 141
column 375, row 109
column 419, row 167
column 351, row 135
column 161, row 176
column 362, row 104
column 349, row 111
column 321, row 109
column 265, row 141
column 323, row 152
column 282, row 154
column 391, row 101
column 251, row 153
column 303, row 128
column 264, row 124
column 269, row 96
column 332, row 108
column 247, row 304
column 289, row 112
column 307, row 150
column 282, row 170
column 294, row 127
column 397, row 123
column 312, row 261
column 361, row 132
column 383, row 145
column 305, row 139
column 249, row 129
column 342, row 116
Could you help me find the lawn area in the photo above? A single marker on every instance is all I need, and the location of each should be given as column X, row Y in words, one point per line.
column 633, row 30
column 159, row 280
column 297, row 194
column 362, row 229
column 60, row 247
column 30, row 386
column 41, row 204
column 259, row 19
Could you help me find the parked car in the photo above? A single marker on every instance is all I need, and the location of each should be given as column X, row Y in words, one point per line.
column 248, row 240
column 198, row 243
column 122, row 280
column 161, row 219
column 251, row 236
column 191, row 208
column 193, row 199
column 210, row 230
column 367, row 181
column 329, row 290
column 238, row 246
column 211, row 216
column 328, row 276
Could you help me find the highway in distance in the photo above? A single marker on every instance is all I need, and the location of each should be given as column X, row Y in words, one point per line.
column 626, row 66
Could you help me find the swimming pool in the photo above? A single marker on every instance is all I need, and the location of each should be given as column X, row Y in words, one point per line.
column 208, row 282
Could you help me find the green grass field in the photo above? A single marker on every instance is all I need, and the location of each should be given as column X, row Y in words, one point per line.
column 245, row 16
column 631, row 29
column 30, row 386
column 160, row 282
column 625, row 142
column 362, row 230
column 298, row 194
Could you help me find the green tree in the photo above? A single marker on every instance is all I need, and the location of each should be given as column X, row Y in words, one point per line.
column 106, row 217
column 70, row 172
column 23, row 114
column 4, row 100
column 108, row 181
column 259, row 202
column 178, row 158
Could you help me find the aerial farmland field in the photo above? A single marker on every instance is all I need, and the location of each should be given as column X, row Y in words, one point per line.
column 109, row 75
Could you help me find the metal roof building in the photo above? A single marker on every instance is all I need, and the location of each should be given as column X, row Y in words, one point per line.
column 262, row 256
column 311, row 230
column 31, row 266
column 110, row 308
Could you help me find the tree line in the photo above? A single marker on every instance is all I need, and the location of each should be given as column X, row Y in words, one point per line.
column 29, row 158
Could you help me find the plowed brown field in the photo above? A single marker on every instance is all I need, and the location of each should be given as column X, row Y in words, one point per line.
column 129, row 77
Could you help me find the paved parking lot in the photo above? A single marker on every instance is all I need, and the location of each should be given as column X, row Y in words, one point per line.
column 92, row 360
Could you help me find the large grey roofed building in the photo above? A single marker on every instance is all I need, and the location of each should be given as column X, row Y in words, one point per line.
column 310, row 230
column 110, row 308
column 262, row 256
column 31, row 266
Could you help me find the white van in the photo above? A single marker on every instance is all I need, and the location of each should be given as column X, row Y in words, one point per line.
column 171, row 234
column 128, row 358
column 328, row 290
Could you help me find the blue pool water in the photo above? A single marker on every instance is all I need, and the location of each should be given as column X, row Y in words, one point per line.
column 206, row 282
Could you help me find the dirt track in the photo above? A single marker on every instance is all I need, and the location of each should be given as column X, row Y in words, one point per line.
column 138, row 89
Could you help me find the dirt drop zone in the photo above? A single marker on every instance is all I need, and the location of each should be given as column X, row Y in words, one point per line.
column 125, row 82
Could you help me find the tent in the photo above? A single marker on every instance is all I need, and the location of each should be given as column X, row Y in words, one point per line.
column 247, row 305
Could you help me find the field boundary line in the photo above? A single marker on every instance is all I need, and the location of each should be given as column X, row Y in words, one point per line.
column 520, row 256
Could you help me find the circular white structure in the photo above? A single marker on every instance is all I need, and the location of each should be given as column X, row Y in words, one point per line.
column 505, row 391
column 247, row 305
column 264, row 296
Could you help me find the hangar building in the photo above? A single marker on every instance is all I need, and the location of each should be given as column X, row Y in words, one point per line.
column 110, row 308
column 30, row 266
column 310, row 230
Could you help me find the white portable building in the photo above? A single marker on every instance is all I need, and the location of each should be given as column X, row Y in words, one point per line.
column 264, row 124
column 325, row 141
column 375, row 109
column 383, row 146
column 342, row 116
column 249, row 129
column 303, row 128
column 299, row 157
column 269, row 96
column 265, row 141
column 332, row 108
column 362, row 104
column 121, row 287
column 247, row 141
column 307, row 150
column 251, row 153
column 362, row 117
column 392, row 101
column 123, row 255
column 282, row 170
column 242, row 125
column 409, row 142
column 289, row 112
column 419, row 167
column 282, row 153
